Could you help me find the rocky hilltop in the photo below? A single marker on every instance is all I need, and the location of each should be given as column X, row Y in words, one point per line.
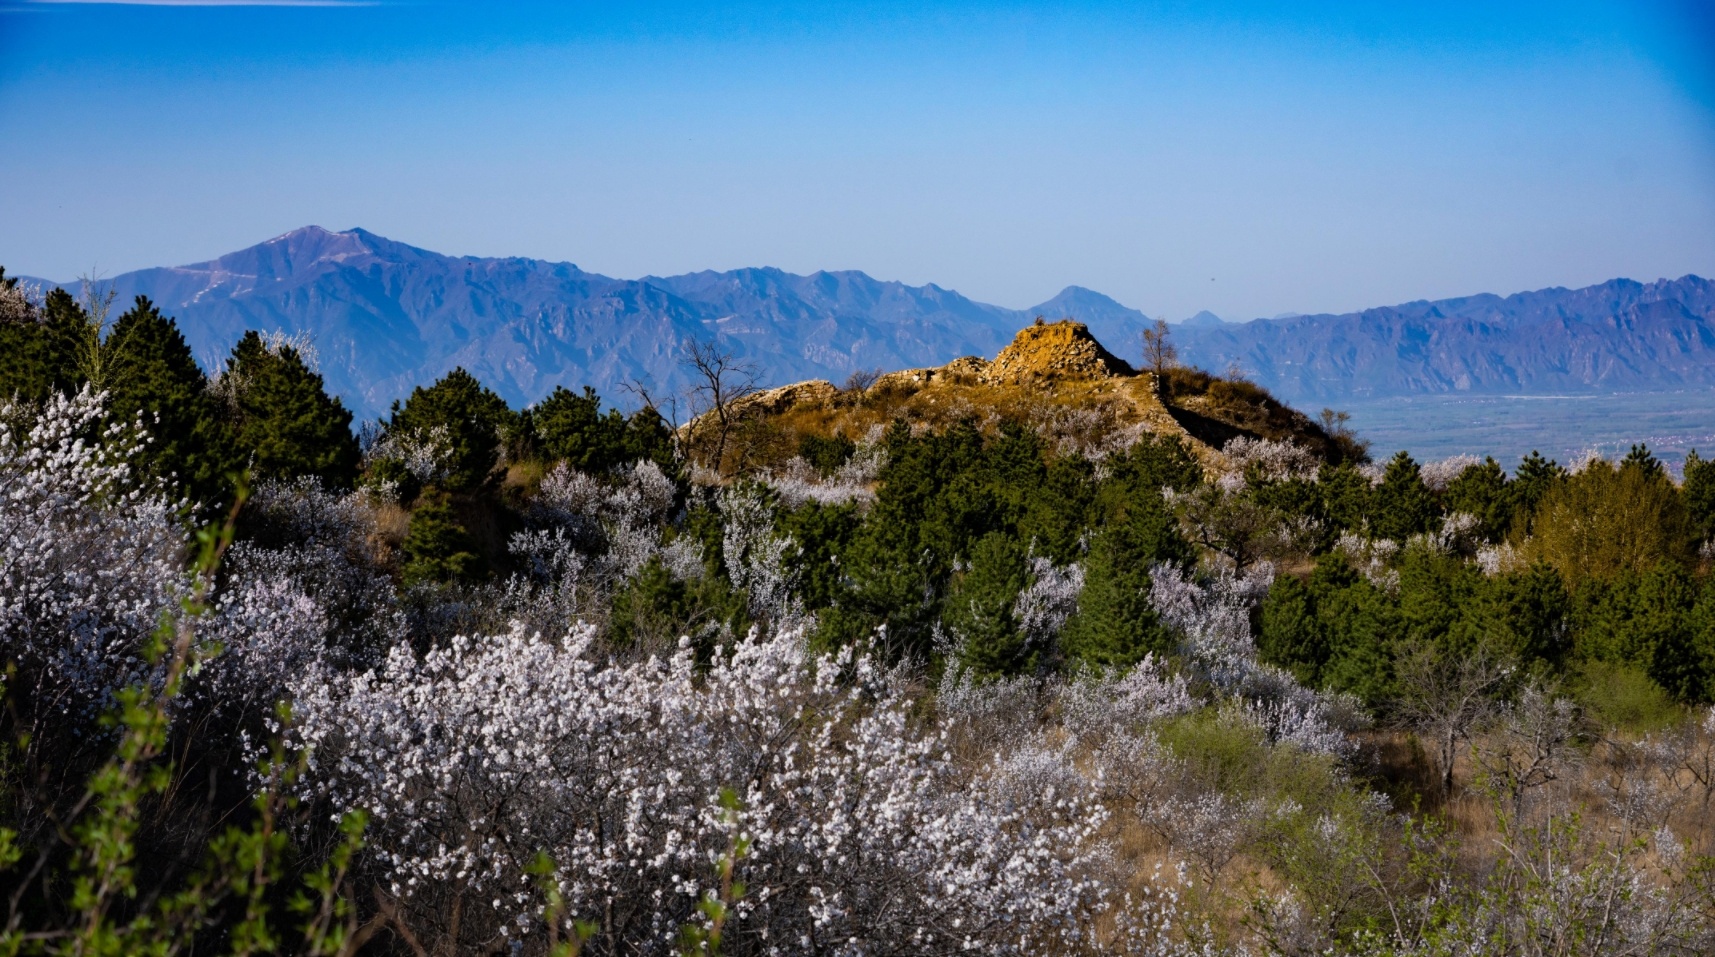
column 1055, row 376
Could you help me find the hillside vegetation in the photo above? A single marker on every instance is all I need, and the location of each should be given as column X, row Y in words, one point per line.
column 1054, row 377
column 1039, row 655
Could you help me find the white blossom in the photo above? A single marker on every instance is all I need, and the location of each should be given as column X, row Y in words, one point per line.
column 91, row 557
column 865, row 838
column 1439, row 474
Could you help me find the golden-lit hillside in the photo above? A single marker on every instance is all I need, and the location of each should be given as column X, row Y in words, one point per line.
column 1054, row 376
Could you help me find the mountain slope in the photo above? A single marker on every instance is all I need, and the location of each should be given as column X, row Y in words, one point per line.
column 386, row 316
column 1617, row 336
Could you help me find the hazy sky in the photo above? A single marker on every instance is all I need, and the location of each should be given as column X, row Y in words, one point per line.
column 1251, row 159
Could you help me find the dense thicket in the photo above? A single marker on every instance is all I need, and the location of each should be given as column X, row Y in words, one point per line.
column 526, row 681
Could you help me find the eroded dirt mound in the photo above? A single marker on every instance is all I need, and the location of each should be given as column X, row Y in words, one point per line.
column 1052, row 351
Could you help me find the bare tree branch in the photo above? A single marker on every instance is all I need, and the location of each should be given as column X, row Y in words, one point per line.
column 720, row 380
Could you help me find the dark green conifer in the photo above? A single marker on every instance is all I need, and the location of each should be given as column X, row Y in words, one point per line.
column 437, row 548
column 1699, row 495
column 1481, row 491
column 654, row 609
column 1531, row 481
column 826, row 454
column 822, row 534
column 150, row 374
column 1115, row 624
column 572, row 428
column 284, row 421
column 648, row 436
column 979, row 608
column 1645, row 462
column 1402, row 506
column 475, row 420
column 38, row 344
column 25, row 371
column 1291, row 636
column 1346, row 496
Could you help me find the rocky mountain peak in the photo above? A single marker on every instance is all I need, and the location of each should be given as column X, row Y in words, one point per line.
column 1048, row 351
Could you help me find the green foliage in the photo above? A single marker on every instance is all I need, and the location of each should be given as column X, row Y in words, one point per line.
column 1605, row 521
column 1481, row 491
column 654, row 608
column 151, row 374
column 979, row 608
column 1526, row 615
column 1645, row 463
column 1142, row 471
column 437, row 548
column 572, row 428
column 283, row 420
column 1622, row 697
column 826, row 454
column 648, row 436
column 1290, row 634
column 37, row 346
column 1401, row 505
column 1115, row 623
column 1531, row 482
column 1699, row 495
column 943, row 496
column 822, row 534
column 1346, row 496
column 1355, row 626
column 476, row 422
column 1058, row 508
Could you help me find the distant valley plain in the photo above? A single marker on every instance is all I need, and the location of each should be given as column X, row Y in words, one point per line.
column 1561, row 427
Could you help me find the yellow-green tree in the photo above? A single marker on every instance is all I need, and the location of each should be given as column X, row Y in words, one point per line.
column 1605, row 521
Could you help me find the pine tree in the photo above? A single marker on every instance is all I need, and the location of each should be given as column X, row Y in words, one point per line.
column 25, row 371
column 476, row 421
column 1361, row 624
column 283, row 420
column 1525, row 615
column 151, row 374
column 437, row 548
column 1402, row 506
column 572, row 428
column 1698, row 492
column 1346, row 496
column 1641, row 459
column 1689, row 671
column 1481, row 491
column 979, row 608
column 649, row 437
column 1115, row 624
column 38, row 344
column 1531, row 481
column 826, row 454
column 1291, row 636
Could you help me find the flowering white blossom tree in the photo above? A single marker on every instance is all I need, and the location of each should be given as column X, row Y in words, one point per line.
column 862, row 837
column 91, row 557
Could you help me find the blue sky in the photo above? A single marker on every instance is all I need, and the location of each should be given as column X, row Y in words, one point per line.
column 1249, row 158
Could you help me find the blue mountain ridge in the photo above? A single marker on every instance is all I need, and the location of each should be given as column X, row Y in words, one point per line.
column 386, row 316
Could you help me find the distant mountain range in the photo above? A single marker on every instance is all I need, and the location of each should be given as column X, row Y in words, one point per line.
column 385, row 316
column 1620, row 336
